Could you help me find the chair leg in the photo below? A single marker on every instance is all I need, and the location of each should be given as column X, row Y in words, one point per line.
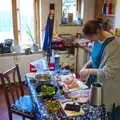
column 10, row 115
column 23, row 118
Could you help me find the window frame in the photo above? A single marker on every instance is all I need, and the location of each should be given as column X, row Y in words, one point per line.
column 80, row 10
column 16, row 27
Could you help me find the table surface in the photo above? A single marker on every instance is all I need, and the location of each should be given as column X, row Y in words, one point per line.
column 91, row 112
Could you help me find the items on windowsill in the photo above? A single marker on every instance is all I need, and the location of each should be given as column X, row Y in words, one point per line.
column 6, row 47
column 35, row 47
column 18, row 49
column 70, row 18
column 28, row 51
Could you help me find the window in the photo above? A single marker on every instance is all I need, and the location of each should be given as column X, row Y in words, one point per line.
column 6, row 26
column 26, row 22
column 20, row 20
column 72, row 11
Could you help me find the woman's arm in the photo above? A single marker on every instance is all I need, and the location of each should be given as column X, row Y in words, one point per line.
column 83, row 74
column 88, row 64
column 110, row 66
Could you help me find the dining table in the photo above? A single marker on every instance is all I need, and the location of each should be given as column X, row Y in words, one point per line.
column 90, row 112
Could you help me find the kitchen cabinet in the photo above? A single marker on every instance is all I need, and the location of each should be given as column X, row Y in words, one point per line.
column 6, row 62
column 76, row 60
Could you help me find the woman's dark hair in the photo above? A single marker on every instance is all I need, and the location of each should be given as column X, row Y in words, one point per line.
column 91, row 27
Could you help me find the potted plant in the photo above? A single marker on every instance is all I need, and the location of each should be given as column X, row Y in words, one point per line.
column 29, row 33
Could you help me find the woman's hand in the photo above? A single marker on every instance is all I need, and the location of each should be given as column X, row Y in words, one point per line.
column 84, row 74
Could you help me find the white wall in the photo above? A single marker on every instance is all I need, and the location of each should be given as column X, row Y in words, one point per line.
column 117, row 14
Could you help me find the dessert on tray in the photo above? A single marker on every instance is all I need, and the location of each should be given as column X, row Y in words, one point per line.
column 74, row 88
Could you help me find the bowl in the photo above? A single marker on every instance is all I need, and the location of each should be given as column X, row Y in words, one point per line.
column 43, row 77
column 46, row 90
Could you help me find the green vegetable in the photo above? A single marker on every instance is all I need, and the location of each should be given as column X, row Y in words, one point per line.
column 52, row 105
column 47, row 90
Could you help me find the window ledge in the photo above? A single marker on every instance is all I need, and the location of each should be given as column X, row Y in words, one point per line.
column 15, row 54
column 70, row 24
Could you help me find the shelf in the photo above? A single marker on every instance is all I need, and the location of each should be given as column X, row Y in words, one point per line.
column 109, row 15
column 70, row 25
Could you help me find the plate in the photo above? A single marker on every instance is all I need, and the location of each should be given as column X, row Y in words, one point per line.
column 71, row 113
column 81, row 96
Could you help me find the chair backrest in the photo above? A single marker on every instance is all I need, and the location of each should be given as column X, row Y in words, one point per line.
column 12, row 84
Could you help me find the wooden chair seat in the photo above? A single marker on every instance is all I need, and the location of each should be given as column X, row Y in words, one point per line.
column 17, row 102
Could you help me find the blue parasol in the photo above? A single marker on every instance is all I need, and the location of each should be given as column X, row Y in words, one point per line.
column 47, row 44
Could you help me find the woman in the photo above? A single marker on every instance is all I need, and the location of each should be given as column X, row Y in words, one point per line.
column 104, row 66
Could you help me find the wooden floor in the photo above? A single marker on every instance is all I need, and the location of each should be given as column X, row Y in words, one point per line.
column 3, row 108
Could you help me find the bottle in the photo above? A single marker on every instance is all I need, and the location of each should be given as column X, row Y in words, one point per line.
column 65, row 17
column 105, row 6
column 110, row 6
column 57, row 62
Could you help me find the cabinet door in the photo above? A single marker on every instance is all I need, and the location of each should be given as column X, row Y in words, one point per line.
column 6, row 62
column 24, row 60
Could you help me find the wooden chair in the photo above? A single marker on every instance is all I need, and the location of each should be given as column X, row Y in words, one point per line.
column 13, row 89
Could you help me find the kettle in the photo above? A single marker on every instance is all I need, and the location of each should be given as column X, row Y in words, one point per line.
column 96, row 94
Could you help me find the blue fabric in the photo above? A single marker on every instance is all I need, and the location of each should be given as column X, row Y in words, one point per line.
column 98, row 50
column 95, row 51
column 95, row 61
column 24, row 103
column 47, row 44
column 96, row 55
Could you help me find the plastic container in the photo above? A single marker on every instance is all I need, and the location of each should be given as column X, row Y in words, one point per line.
column 82, row 96
column 51, row 66
column 57, row 62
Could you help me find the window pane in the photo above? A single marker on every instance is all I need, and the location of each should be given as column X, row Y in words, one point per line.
column 26, row 22
column 71, row 11
column 6, row 26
